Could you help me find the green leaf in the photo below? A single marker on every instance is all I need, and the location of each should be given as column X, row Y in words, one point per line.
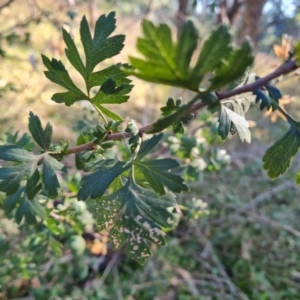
column 114, row 86
column 149, row 145
column 57, row 73
column 109, row 93
column 277, row 158
column 29, row 210
column 169, row 108
column 101, row 46
column 100, row 133
column 232, row 68
column 229, row 118
column 50, row 180
column 68, row 98
column 11, row 177
column 109, row 113
column 181, row 112
column 113, row 72
column 11, row 201
column 73, row 54
column 215, row 49
column 162, row 63
column 169, row 63
column 95, row 184
column 187, row 43
column 42, row 137
column 56, row 246
column 135, row 139
column 24, row 141
column 157, row 174
column 33, row 185
column 267, row 96
column 117, row 184
column 15, row 153
column 141, row 216
column 37, row 208
column 178, row 128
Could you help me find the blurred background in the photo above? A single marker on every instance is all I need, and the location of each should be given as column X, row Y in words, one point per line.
column 238, row 233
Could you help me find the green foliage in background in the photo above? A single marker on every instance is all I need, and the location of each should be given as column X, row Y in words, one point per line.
column 132, row 192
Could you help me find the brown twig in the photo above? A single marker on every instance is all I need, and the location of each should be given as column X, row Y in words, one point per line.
column 287, row 67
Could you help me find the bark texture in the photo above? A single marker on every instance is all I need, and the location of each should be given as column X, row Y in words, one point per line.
column 251, row 20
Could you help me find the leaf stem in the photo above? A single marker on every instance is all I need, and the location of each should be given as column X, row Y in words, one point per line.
column 137, row 149
column 101, row 114
column 287, row 116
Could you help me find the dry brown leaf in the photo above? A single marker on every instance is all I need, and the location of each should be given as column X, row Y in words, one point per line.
column 283, row 51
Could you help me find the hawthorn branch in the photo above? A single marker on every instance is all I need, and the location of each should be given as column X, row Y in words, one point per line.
column 285, row 68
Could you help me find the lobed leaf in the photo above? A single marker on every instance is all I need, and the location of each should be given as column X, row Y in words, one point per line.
column 161, row 62
column 148, row 146
column 169, row 63
column 233, row 68
column 42, row 137
column 33, row 185
column 187, row 43
column 15, row 153
column 11, row 177
column 73, row 54
column 215, row 48
column 113, row 72
column 268, row 96
column 101, row 46
column 277, row 158
column 141, row 216
column 109, row 93
column 95, row 184
column 57, row 73
column 49, row 177
column 156, row 172
column 11, row 201
column 114, row 84
column 68, row 98
column 181, row 112
column 29, row 209
column 227, row 118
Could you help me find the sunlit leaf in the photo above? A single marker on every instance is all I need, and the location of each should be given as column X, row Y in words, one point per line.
column 101, row 46
column 233, row 67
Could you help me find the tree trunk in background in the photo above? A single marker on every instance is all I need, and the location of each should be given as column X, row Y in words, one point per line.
column 234, row 9
column 251, row 20
column 181, row 13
